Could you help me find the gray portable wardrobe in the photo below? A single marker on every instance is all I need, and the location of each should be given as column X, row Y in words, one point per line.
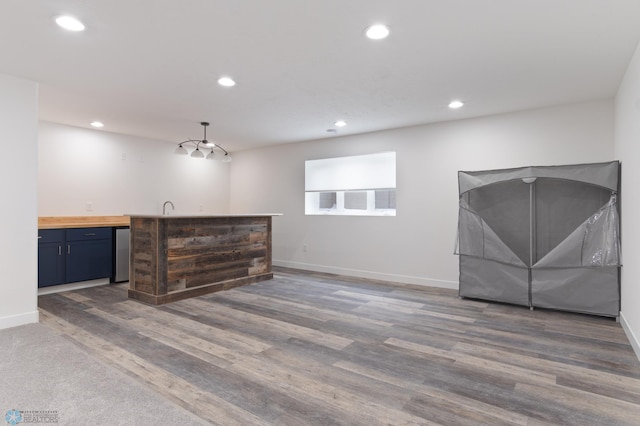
column 543, row 236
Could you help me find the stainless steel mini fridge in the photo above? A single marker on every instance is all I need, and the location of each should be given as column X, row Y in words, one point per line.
column 121, row 255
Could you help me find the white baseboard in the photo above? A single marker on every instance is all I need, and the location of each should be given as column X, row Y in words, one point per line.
column 72, row 286
column 404, row 279
column 633, row 339
column 20, row 319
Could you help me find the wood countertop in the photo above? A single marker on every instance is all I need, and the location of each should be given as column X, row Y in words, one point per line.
column 200, row 216
column 57, row 222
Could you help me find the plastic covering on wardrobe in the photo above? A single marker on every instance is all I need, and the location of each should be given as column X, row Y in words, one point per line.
column 541, row 236
column 595, row 243
column 598, row 174
column 481, row 279
column 476, row 238
column 586, row 290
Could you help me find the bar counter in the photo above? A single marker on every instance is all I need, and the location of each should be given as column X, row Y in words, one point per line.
column 177, row 257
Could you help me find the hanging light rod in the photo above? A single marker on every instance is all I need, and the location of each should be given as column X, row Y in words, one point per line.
column 196, row 153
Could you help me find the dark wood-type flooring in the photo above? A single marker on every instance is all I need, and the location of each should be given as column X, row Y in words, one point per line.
column 318, row 349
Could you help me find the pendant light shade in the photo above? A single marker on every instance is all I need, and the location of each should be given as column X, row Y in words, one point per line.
column 222, row 155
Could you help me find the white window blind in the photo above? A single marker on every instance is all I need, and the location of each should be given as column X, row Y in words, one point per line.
column 363, row 185
column 370, row 171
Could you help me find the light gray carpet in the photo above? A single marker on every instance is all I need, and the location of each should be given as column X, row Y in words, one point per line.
column 41, row 371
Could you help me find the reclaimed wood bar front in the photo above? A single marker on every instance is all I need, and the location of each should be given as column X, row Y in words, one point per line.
column 176, row 257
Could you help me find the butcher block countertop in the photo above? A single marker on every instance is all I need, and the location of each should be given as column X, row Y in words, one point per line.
column 58, row 222
column 201, row 216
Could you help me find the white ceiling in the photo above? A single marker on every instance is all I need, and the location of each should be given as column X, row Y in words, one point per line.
column 149, row 67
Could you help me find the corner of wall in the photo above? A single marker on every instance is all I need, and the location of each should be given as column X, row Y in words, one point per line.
column 633, row 339
column 627, row 132
column 19, row 163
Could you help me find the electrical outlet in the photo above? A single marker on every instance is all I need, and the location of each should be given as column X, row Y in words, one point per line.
column 304, row 248
column 89, row 206
column 201, row 208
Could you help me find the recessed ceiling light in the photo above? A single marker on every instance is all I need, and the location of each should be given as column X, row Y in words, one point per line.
column 97, row 124
column 340, row 123
column 456, row 104
column 226, row 82
column 69, row 23
column 377, row 32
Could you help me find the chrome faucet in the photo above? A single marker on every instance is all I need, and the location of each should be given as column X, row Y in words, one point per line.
column 164, row 206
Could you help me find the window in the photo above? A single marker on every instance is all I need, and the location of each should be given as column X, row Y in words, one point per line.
column 385, row 199
column 363, row 185
column 355, row 200
column 327, row 200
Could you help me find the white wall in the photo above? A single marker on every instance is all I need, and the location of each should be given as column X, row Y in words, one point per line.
column 120, row 174
column 627, row 149
column 416, row 246
column 18, row 173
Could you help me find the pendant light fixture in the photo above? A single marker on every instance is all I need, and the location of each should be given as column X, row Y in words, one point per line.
column 221, row 155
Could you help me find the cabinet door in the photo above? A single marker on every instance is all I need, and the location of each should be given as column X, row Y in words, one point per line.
column 50, row 264
column 88, row 260
column 50, row 257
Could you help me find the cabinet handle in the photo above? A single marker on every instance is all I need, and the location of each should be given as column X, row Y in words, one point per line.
column 59, row 250
column 68, row 248
column 90, row 235
column 39, row 236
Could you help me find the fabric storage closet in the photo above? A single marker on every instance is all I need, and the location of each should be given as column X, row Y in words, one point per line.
column 542, row 236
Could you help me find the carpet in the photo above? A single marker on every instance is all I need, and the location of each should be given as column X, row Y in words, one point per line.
column 46, row 379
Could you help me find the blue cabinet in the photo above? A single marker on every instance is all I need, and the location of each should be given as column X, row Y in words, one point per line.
column 88, row 254
column 51, row 258
column 71, row 255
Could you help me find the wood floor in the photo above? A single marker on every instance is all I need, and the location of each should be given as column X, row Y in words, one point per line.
column 314, row 349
